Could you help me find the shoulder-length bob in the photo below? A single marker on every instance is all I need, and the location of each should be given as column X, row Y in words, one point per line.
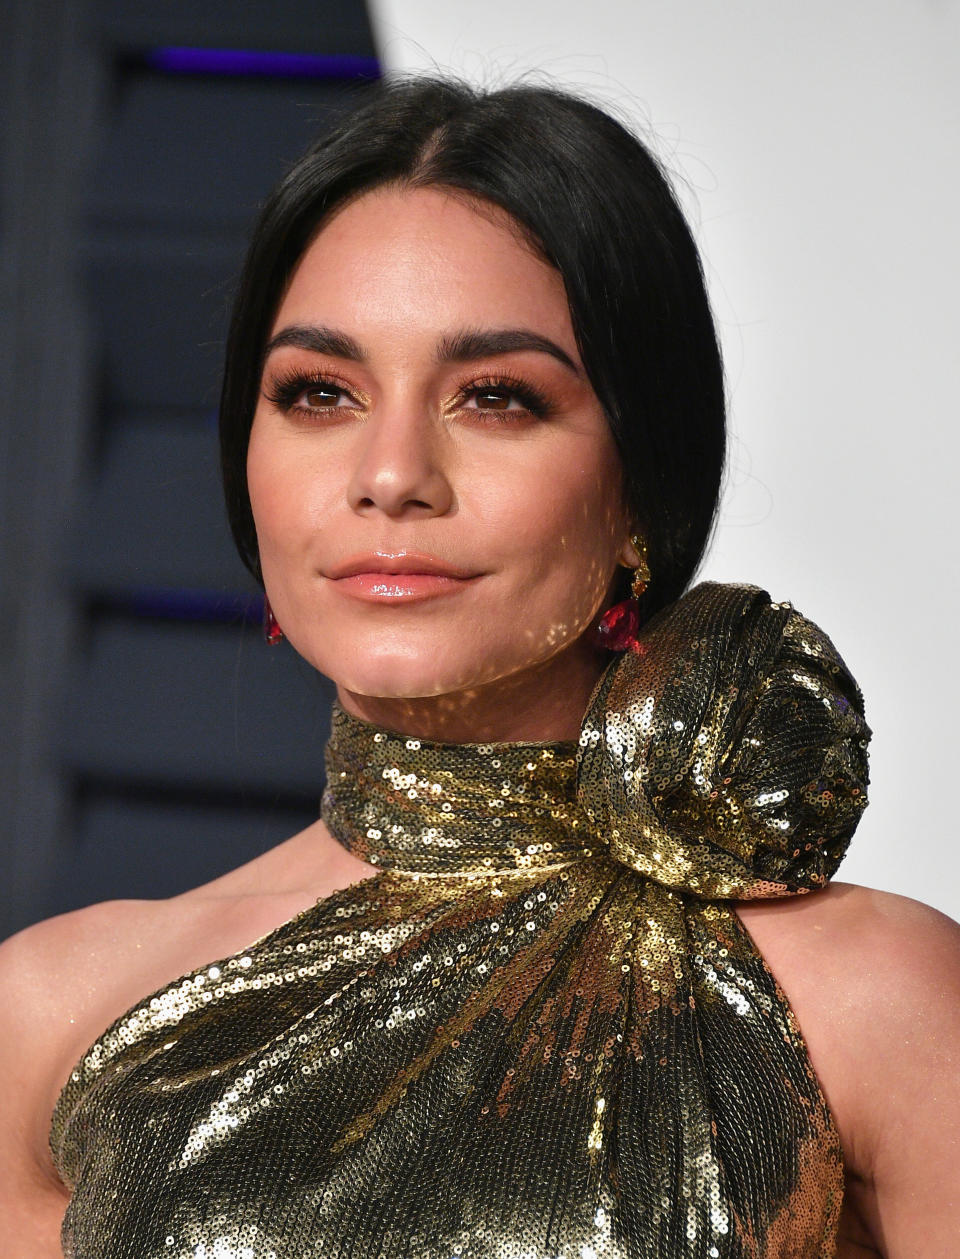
column 594, row 202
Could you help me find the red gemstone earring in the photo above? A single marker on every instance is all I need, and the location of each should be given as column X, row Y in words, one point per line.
column 272, row 632
column 619, row 625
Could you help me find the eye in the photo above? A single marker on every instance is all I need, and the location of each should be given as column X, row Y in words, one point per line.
column 504, row 396
column 298, row 391
column 489, row 399
column 318, row 396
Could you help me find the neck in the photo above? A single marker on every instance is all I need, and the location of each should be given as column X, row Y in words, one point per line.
column 545, row 702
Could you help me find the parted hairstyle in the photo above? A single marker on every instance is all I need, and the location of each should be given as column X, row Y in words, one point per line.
column 593, row 201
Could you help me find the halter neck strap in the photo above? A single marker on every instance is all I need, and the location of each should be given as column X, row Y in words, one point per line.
column 725, row 758
column 425, row 807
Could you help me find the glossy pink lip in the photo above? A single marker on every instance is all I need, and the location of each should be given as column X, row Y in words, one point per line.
column 381, row 563
column 399, row 587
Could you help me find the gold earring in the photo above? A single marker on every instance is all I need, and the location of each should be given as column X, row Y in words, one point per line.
column 619, row 626
column 641, row 573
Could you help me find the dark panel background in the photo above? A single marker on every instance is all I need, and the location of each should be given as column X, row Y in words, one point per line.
column 150, row 739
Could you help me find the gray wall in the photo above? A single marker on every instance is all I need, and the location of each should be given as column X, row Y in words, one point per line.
column 149, row 740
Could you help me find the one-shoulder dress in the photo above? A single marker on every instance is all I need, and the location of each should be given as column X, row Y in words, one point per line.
column 539, row 1029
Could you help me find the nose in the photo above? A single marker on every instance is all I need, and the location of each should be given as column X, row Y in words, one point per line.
column 398, row 467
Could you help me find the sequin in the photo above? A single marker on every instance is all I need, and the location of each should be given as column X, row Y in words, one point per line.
column 538, row 1030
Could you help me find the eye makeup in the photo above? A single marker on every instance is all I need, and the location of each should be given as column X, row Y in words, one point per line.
column 287, row 389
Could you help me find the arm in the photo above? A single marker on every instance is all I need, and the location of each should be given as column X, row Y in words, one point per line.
column 32, row 1199
column 905, row 1047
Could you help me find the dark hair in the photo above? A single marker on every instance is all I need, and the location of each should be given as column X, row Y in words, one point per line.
column 596, row 204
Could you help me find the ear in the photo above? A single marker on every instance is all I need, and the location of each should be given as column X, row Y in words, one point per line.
column 629, row 556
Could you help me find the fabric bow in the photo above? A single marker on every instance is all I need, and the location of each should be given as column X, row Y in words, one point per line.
column 726, row 756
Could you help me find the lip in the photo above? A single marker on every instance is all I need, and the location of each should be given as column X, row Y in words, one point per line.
column 393, row 563
column 399, row 587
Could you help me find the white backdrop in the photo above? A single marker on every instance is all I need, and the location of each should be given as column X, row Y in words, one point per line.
column 815, row 148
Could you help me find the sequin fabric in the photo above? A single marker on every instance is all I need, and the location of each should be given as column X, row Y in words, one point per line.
column 539, row 1029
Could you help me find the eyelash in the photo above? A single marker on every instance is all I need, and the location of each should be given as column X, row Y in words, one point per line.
column 285, row 390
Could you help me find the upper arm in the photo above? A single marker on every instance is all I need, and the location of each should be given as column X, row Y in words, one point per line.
column 905, row 1049
column 32, row 1200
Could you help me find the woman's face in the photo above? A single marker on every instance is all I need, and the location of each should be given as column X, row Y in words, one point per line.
column 423, row 396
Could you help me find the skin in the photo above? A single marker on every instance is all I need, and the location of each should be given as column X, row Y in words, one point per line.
column 407, row 458
column 402, row 460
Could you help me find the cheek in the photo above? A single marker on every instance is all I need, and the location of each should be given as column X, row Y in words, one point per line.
column 565, row 535
column 590, row 504
column 280, row 492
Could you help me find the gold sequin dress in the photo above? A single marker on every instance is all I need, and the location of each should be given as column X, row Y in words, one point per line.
column 539, row 1029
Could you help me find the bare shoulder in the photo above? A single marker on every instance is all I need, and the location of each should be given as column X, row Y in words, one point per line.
column 62, row 981
column 859, row 966
column 65, row 980
column 58, row 975
column 852, row 942
column 48, row 988
column 41, row 966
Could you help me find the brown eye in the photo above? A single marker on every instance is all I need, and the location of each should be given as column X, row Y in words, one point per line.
column 308, row 394
column 321, row 396
column 493, row 399
column 515, row 399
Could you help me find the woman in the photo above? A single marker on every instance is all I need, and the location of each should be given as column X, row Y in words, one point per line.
column 534, row 983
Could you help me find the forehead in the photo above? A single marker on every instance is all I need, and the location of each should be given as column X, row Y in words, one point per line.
column 417, row 255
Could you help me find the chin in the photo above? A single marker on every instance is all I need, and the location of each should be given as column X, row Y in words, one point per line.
column 419, row 672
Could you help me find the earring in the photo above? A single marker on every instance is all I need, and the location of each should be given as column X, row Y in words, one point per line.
column 619, row 625
column 272, row 633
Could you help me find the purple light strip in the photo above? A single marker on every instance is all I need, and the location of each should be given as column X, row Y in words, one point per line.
column 165, row 603
column 240, row 63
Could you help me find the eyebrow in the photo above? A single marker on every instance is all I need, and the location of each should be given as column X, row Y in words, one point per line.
column 481, row 343
column 458, row 347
